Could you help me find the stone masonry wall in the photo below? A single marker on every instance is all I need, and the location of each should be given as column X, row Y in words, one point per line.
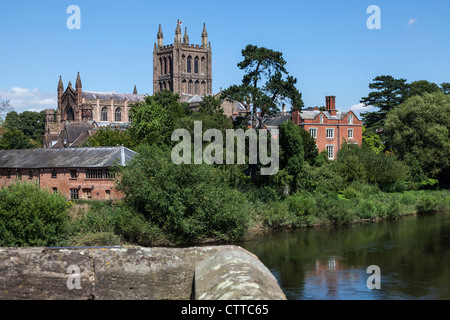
column 134, row 273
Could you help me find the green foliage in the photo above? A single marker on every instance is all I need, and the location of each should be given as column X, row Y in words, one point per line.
column 27, row 127
column 364, row 165
column 419, row 132
column 111, row 137
column 151, row 122
column 188, row 203
column 372, row 140
column 388, row 93
column 291, row 152
column 263, row 88
column 30, row 216
column 14, row 139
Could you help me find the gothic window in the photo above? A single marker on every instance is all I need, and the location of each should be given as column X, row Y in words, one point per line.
column 104, row 114
column 170, row 65
column 161, row 64
column 189, row 65
column 190, row 87
column 165, row 66
column 196, row 65
column 70, row 114
column 203, row 88
column 118, row 115
column 203, row 66
column 196, row 87
column 184, row 86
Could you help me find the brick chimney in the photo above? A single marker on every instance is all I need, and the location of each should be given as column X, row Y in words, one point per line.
column 296, row 117
column 331, row 105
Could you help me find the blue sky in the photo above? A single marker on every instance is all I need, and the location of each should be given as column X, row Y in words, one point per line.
column 326, row 44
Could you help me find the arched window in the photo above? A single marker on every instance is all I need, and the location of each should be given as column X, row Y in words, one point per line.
column 203, row 65
column 189, row 65
column 196, row 65
column 170, row 65
column 190, row 87
column 118, row 115
column 105, row 114
column 70, row 114
column 203, row 87
column 184, row 86
column 165, row 66
column 162, row 66
column 196, row 87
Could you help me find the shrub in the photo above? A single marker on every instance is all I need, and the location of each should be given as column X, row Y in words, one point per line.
column 188, row 203
column 30, row 216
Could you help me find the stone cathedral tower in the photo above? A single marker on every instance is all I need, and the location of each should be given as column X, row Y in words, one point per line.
column 182, row 67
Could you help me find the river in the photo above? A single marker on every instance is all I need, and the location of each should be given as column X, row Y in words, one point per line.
column 412, row 253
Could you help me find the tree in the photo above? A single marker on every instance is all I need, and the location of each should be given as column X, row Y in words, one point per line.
column 359, row 164
column 419, row 132
column 372, row 140
column 15, row 139
column 309, row 147
column 445, row 87
column 292, row 152
column 151, row 122
column 420, row 87
column 388, row 93
column 111, row 137
column 30, row 123
column 263, row 87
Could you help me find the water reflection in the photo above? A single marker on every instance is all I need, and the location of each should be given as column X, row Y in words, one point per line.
column 413, row 254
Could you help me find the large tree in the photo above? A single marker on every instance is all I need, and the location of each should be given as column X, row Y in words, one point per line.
column 419, row 132
column 266, row 84
column 387, row 93
column 420, row 87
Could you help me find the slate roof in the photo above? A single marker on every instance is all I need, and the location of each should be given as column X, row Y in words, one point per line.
column 310, row 115
column 93, row 95
column 100, row 157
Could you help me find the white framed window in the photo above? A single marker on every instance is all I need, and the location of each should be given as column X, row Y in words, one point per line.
column 350, row 133
column 321, row 118
column 313, row 132
column 350, row 119
column 330, row 133
column 330, row 151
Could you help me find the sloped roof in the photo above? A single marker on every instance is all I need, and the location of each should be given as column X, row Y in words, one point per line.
column 76, row 130
column 277, row 120
column 313, row 114
column 93, row 95
column 65, row 158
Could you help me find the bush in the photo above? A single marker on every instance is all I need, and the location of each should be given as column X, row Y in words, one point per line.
column 188, row 203
column 30, row 216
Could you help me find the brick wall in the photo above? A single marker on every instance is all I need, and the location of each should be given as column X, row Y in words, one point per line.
column 63, row 182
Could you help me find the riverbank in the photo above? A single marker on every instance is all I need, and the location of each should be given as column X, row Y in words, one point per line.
column 98, row 223
column 309, row 210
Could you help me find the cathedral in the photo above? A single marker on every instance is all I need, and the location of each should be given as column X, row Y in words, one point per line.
column 181, row 67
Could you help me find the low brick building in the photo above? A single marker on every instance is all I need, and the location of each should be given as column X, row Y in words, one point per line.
column 77, row 173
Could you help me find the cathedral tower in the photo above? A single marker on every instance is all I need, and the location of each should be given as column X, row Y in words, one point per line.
column 182, row 67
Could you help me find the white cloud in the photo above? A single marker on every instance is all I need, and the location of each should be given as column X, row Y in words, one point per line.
column 412, row 21
column 361, row 108
column 23, row 99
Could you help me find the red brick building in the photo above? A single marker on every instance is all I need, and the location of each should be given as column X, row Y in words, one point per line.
column 330, row 128
column 77, row 173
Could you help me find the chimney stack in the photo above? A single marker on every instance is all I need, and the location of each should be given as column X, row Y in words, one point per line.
column 331, row 105
column 284, row 109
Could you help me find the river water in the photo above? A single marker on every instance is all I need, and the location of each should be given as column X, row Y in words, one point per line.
column 412, row 253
